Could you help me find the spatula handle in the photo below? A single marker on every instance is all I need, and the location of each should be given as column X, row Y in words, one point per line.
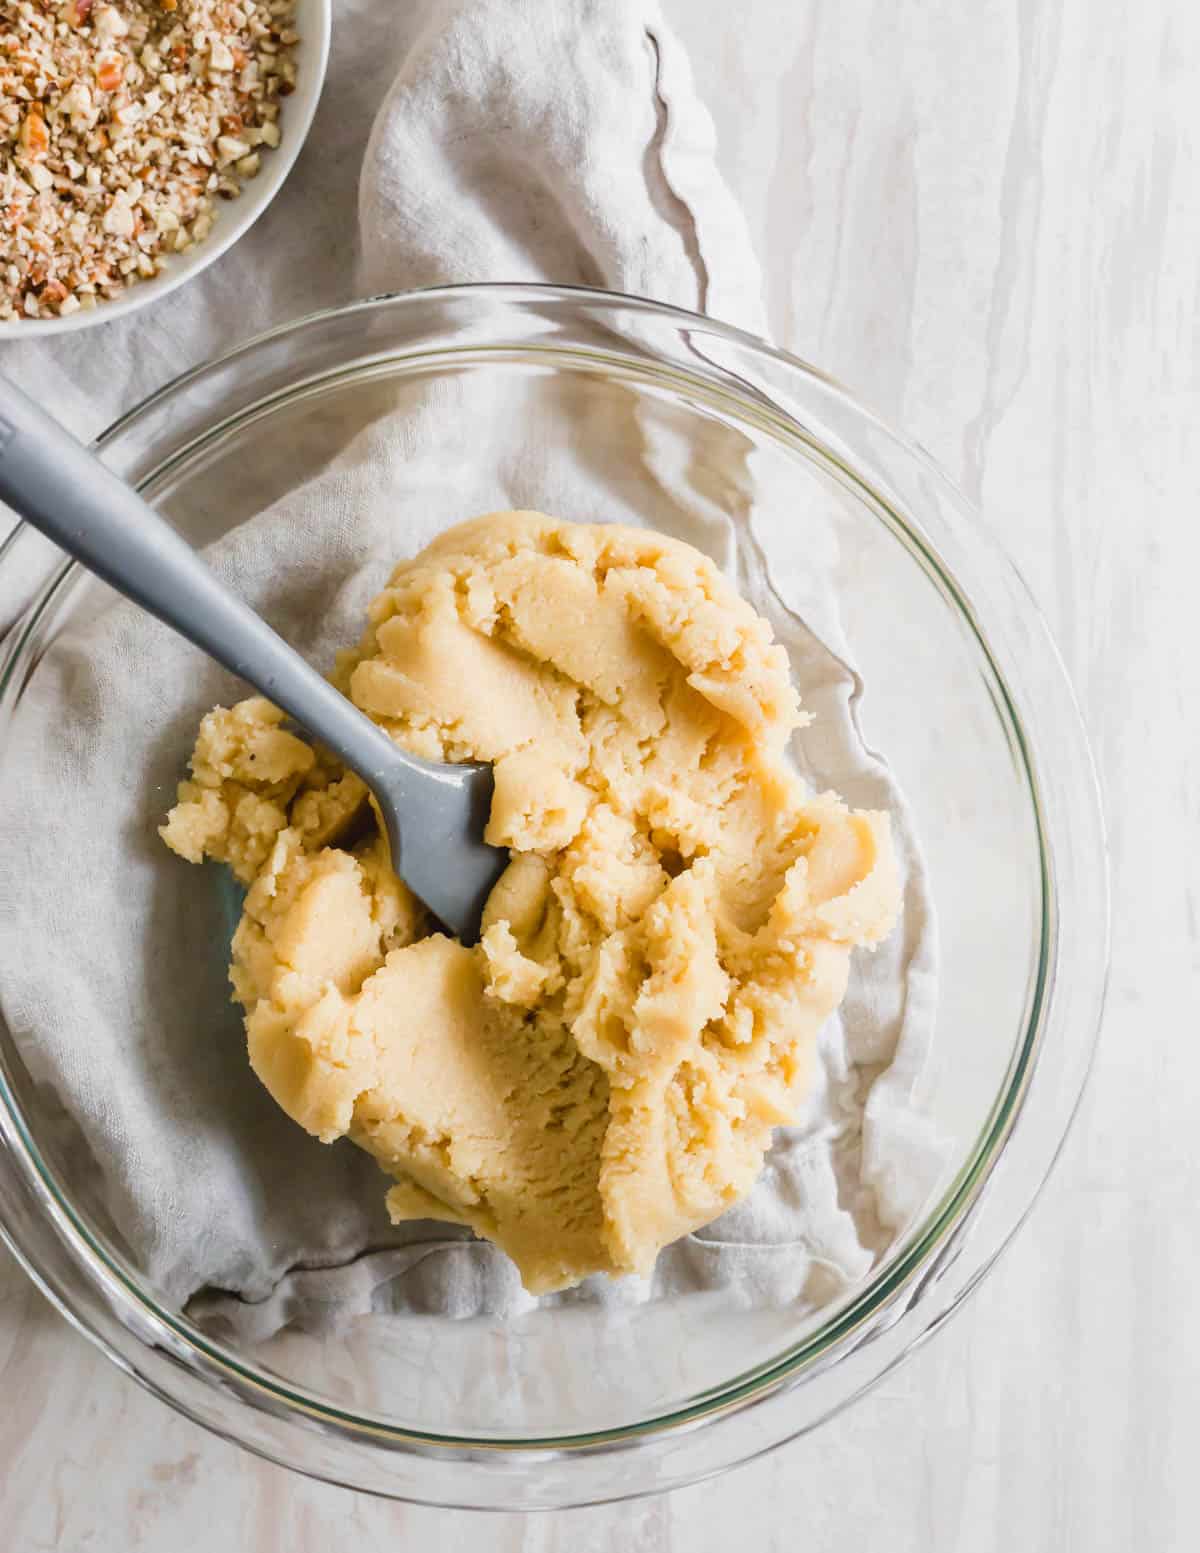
column 62, row 489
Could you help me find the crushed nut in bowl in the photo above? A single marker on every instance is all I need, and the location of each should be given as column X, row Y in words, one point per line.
column 120, row 126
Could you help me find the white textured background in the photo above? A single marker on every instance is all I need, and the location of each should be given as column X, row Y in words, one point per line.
column 985, row 218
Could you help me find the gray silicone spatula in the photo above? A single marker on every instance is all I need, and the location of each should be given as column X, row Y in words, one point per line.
column 434, row 814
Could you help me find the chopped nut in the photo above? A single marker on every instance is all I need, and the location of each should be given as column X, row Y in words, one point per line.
column 110, row 72
column 229, row 149
column 220, row 56
column 34, row 138
column 118, row 218
column 76, row 103
column 125, row 112
column 109, row 23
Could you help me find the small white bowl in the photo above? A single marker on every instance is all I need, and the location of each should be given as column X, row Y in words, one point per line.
column 232, row 217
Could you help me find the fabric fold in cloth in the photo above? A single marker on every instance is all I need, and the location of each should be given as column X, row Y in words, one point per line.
column 558, row 143
column 562, row 144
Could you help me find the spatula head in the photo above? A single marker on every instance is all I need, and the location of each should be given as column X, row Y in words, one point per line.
column 435, row 817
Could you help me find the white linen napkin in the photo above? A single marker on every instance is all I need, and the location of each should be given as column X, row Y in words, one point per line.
column 562, row 143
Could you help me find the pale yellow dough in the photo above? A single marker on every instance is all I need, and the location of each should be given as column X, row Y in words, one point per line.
column 602, row 1073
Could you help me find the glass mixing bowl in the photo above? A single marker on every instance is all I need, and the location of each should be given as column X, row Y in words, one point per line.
column 963, row 692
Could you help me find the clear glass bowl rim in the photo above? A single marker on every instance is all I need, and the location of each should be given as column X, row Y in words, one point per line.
column 141, row 1323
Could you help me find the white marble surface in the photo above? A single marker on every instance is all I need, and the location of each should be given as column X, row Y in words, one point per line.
column 984, row 218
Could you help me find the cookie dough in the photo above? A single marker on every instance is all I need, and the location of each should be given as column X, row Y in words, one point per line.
column 602, row 1073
